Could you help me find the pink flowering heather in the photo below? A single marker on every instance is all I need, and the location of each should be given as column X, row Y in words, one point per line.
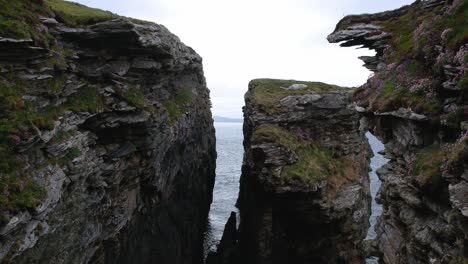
column 391, row 66
column 15, row 139
column 420, row 85
column 420, row 31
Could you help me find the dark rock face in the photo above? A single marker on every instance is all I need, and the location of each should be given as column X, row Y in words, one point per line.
column 416, row 103
column 304, row 195
column 126, row 163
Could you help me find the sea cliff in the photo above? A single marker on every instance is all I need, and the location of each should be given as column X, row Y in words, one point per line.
column 107, row 147
column 416, row 103
column 304, row 194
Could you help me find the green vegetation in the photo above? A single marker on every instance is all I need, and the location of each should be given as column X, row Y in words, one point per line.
column 457, row 22
column 63, row 135
column 19, row 193
column 18, row 19
column 74, row 14
column 392, row 97
column 458, row 151
column 266, row 93
column 175, row 107
column 402, row 30
column 315, row 163
column 275, row 134
column 57, row 84
column 427, row 166
column 72, row 154
column 135, row 97
column 86, row 100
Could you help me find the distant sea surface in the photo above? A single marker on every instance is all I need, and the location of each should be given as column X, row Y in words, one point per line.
column 230, row 150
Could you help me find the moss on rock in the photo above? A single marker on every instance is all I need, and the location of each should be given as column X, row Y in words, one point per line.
column 266, row 93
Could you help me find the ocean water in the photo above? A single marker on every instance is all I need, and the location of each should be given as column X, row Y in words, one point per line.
column 230, row 150
column 229, row 138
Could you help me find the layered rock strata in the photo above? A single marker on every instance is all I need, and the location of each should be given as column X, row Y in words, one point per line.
column 107, row 141
column 416, row 103
column 304, row 195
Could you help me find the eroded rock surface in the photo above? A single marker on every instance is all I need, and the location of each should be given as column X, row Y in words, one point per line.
column 108, row 147
column 304, row 195
column 416, row 103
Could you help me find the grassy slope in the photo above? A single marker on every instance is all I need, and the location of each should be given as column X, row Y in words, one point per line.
column 74, row 14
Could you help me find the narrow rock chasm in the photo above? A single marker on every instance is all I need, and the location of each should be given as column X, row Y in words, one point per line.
column 377, row 161
column 229, row 138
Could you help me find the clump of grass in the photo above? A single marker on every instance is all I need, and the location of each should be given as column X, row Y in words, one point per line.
column 63, row 135
column 17, row 18
column 266, row 93
column 392, row 97
column 427, row 166
column 86, row 100
column 57, row 84
column 72, row 154
column 74, row 14
column 275, row 134
column 314, row 164
column 403, row 29
column 176, row 106
column 458, row 153
column 457, row 22
column 134, row 97
column 17, row 193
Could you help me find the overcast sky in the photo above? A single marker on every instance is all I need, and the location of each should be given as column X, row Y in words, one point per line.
column 241, row 40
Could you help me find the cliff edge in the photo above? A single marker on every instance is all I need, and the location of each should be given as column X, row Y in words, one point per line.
column 304, row 194
column 107, row 147
column 416, row 103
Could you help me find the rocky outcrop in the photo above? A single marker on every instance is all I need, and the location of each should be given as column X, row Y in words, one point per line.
column 108, row 148
column 304, row 195
column 416, row 103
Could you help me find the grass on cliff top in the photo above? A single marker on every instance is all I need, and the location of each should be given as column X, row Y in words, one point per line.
column 74, row 14
column 266, row 93
column 403, row 28
column 19, row 19
column 314, row 163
